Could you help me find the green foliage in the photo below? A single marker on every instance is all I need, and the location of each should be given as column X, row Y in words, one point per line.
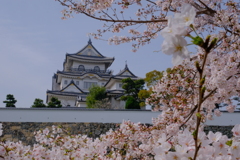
column 153, row 77
column 38, row 103
column 197, row 40
column 96, row 93
column 143, row 94
column 204, row 44
column 10, row 101
column 229, row 142
column 131, row 103
column 142, row 104
column 54, row 103
column 132, row 88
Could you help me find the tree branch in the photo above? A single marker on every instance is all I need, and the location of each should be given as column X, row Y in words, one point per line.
column 208, row 10
column 125, row 21
column 151, row 2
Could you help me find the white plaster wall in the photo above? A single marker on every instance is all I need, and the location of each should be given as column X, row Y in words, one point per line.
column 89, row 51
column 89, row 80
column 63, row 85
column 126, row 73
column 74, row 115
column 88, row 65
column 83, row 104
column 81, row 82
column 96, row 115
column 71, row 88
column 117, row 104
column 122, row 104
column 55, row 86
column 102, row 83
column 66, row 102
column 117, row 85
column 113, row 86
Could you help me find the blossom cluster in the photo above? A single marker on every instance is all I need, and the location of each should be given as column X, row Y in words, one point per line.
column 130, row 141
column 212, row 16
column 177, row 92
column 192, row 89
column 187, row 94
column 173, row 42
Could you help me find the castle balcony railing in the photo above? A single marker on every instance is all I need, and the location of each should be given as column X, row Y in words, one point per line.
column 90, row 71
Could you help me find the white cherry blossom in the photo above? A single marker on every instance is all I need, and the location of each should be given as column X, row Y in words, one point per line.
column 176, row 94
column 173, row 28
column 187, row 15
column 176, row 46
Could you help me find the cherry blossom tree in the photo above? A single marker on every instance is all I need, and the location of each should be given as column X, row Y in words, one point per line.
column 186, row 94
column 144, row 19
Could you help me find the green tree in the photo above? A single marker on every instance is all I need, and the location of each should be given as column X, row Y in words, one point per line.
column 143, row 95
column 10, row 101
column 54, row 103
column 38, row 103
column 131, row 103
column 96, row 93
column 153, row 77
column 132, row 88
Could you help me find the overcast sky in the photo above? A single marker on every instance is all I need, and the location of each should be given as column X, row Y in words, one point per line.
column 34, row 41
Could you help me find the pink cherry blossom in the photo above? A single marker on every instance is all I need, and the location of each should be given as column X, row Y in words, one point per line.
column 231, row 108
column 236, row 130
column 217, row 112
column 186, row 94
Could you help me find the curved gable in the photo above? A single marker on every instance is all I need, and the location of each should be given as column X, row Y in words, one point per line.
column 126, row 72
column 72, row 87
column 89, row 50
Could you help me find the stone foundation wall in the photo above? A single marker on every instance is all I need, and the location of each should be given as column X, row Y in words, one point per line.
column 24, row 131
column 225, row 130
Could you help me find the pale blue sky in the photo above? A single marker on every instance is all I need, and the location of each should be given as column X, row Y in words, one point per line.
column 34, row 41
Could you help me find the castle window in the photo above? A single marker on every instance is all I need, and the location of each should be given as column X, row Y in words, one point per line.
column 120, row 85
column 65, row 82
column 77, row 82
column 96, row 69
column 89, row 84
column 81, row 68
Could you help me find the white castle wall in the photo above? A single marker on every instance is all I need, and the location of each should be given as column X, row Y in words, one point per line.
column 88, row 65
column 96, row 116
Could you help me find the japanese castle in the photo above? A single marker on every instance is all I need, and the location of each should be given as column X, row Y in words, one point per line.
column 83, row 69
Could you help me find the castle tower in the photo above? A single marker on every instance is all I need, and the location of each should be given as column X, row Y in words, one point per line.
column 80, row 71
column 83, row 69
